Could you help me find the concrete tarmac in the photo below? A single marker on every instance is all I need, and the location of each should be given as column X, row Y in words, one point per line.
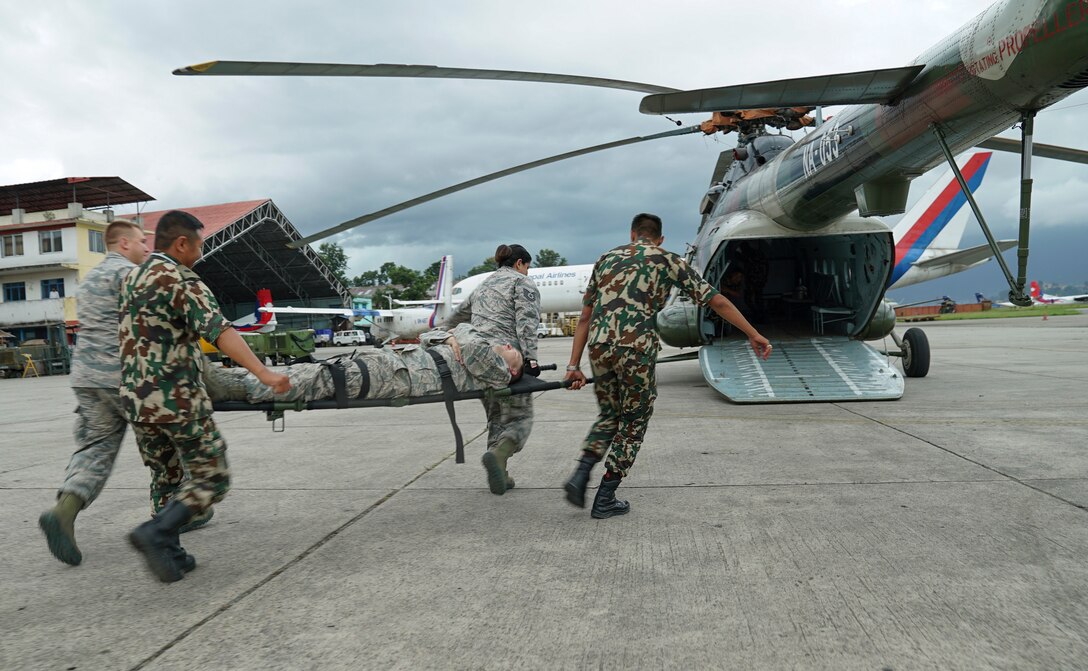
column 946, row 530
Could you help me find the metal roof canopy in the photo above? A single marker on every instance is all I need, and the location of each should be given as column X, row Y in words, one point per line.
column 55, row 194
column 247, row 251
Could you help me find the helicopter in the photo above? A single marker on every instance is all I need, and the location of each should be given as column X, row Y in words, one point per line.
column 802, row 217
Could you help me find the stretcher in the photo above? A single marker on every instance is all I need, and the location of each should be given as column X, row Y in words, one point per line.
column 274, row 410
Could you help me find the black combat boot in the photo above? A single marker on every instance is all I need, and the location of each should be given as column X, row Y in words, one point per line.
column 576, row 486
column 157, row 539
column 606, row 504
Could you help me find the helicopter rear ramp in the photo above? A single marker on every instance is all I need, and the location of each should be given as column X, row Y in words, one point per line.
column 825, row 368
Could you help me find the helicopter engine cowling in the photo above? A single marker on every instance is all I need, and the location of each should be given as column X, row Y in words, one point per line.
column 881, row 324
column 679, row 324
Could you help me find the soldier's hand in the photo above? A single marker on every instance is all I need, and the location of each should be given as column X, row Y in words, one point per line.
column 761, row 345
column 280, row 383
column 531, row 367
column 577, row 378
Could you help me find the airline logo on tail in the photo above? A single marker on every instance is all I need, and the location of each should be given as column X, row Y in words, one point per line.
column 259, row 321
column 912, row 241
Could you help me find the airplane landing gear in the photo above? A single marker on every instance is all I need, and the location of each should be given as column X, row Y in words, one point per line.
column 914, row 350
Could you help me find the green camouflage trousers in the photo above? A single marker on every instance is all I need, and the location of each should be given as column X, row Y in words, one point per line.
column 626, row 388
column 99, row 430
column 510, row 417
column 171, row 450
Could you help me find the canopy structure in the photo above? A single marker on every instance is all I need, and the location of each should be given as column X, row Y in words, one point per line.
column 55, row 194
column 245, row 249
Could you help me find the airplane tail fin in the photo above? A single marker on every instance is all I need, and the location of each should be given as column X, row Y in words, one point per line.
column 938, row 220
column 258, row 322
column 1036, row 292
column 444, row 292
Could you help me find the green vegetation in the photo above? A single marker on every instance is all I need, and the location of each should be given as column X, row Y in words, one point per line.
column 336, row 259
column 1003, row 313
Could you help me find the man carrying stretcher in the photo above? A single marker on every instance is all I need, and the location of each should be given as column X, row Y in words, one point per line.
column 402, row 372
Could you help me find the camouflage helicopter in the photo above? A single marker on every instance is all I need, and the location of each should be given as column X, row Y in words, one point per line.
column 802, row 217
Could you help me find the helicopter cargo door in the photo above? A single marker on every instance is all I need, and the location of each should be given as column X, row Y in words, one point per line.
column 825, row 368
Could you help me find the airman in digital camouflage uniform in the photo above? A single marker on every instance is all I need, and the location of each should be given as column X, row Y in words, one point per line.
column 629, row 286
column 397, row 372
column 505, row 309
column 96, row 374
column 165, row 310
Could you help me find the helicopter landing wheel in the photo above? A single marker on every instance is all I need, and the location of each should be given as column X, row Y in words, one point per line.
column 915, row 353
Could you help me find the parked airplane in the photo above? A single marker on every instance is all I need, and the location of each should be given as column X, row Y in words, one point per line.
column 259, row 321
column 927, row 238
column 1038, row 296
column 404, row 322
column 560, row 287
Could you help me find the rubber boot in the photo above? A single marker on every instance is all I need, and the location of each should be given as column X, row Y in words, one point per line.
column 494, row 461
column 157, row 539
column 185, row 561
column 198, row 521
column 606, row 504
column 576, row 486
column 58, row 525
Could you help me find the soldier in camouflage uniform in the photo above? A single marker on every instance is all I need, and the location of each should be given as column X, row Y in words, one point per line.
column 629, row 286
column 96, row 374
column 165, row 310
column 398, row 372
column 505, row 309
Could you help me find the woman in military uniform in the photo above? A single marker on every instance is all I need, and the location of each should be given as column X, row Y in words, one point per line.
column 505, row 309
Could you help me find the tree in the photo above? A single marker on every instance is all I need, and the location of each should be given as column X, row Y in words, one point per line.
column 370, row 278
column 336, row 259
column 486, row 267
column 547, row 258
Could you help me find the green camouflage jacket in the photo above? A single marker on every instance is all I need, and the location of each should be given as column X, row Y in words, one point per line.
column 165, row 310
column 627, row 289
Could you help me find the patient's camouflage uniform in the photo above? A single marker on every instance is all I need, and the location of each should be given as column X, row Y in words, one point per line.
column 397, row 372
column 505, row 309
column 629, row 286
column 96, row 374
column 165, row 310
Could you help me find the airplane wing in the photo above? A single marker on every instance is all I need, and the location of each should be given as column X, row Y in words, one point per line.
column 343, row 312
column 965, row 257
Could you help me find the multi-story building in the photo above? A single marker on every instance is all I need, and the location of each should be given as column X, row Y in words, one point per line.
column 51, row 234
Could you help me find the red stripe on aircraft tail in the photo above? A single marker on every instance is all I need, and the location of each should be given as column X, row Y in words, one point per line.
column 950, row 192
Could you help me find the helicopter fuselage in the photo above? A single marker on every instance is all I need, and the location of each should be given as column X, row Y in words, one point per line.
column 795, row 200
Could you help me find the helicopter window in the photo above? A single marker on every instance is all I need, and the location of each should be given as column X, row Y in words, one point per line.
column 457, row 291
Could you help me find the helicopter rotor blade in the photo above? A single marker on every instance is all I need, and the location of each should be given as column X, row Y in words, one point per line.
column 358, row 221
column 1042, row 150
column 284, row 69
column 849, row 88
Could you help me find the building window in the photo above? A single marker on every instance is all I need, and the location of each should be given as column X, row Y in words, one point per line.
column 98, row 242
column 51, row 286
column 12, row 244
column 14, row 291
column 49, row 241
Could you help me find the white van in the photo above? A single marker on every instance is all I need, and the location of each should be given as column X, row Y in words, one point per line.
column 350, row 338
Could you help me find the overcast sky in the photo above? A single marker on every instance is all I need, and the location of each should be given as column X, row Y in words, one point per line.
column 89, row 91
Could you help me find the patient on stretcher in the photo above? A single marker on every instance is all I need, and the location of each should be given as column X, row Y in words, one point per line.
column 403, row 371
